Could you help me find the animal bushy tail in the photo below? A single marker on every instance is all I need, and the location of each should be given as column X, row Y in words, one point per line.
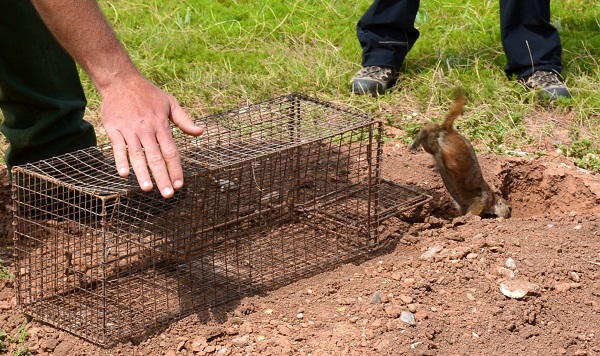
column 455, row 111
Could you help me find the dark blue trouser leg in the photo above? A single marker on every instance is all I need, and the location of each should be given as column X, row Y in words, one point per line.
column 530, row 42
column 386, row 32
column 40, row 92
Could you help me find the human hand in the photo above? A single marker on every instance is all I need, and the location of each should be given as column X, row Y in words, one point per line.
column 136, row 114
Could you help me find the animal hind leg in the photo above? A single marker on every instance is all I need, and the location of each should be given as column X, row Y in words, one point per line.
column 475, row 208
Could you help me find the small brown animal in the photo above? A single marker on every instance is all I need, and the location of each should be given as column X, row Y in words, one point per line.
column 457, row 163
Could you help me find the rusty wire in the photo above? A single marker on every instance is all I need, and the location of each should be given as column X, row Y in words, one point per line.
column 275, row 191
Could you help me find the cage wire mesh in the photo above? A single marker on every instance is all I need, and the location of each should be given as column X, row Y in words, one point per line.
column 274, row 191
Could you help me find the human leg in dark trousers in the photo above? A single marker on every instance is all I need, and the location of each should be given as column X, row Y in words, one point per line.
column 40, row 92
column 386, row 33
column 532, row 45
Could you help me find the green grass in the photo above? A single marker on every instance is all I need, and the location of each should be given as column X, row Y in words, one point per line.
column 216, row 55
column 4, row 272
column 18, row 340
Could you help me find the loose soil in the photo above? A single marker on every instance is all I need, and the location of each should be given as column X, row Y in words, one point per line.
column 443, row 270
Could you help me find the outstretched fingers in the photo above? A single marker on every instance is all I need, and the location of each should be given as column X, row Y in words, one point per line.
column 182, row 120
column 136, row 117
column 165, row 164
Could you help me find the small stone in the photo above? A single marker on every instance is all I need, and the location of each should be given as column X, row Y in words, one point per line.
column 510, row 263
column 33, row 333
column 421, row 315
column 408, row 282
column 241, row 341
column 34, row 348
column 347, row 301
column 245, row 328
column 300, row 315
column 384, row 298
column 376, row 298
column 456, row 237
column 49, row 344
column 405, row 298
column 412, row 308
column 562, row 287
column 574, row 276
column 63, row 348
column 432, row 251
column 505, row 272
column 531, row 317
column 199, row 343
column 470, row 297
column 459, row 252
column 396, row 275
column 236, row 320
column 517, row 288
column 213, row 332
column 408, row 318
column 283, row 330
column 231, row 331
column 416, row 344
column 209, row 349
column 472, row 256
column 393, row 311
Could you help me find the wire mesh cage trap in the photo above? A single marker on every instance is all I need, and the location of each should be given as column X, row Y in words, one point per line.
column 274, row 192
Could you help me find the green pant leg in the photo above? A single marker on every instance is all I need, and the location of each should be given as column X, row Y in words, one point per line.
column 41, row 95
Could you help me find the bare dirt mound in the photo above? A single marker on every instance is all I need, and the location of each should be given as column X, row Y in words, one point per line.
column 540, row 186
column 436, row 287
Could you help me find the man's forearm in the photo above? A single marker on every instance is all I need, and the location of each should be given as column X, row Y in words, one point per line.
column 135, row 112
column 81, row 28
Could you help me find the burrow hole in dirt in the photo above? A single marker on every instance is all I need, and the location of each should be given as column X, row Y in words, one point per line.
column 534, row 189
column 548, row 189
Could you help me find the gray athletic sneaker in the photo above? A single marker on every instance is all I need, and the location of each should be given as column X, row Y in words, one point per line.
column 374, row 80
column 549, row 83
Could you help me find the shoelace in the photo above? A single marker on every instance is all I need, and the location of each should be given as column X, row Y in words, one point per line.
column 544, row 79
column 376, row 72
